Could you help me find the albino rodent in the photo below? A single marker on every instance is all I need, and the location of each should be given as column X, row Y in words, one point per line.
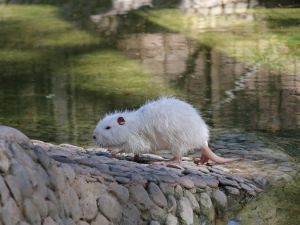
column 164, row 124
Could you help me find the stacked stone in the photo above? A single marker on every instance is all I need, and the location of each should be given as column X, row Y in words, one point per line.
column 75, row 186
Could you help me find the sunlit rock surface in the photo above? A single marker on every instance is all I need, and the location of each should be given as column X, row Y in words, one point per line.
column 42, row 183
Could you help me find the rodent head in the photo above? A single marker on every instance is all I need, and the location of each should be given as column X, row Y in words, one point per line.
column 112, row 131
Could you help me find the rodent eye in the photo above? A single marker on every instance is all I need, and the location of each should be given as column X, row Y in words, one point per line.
column 107, row 128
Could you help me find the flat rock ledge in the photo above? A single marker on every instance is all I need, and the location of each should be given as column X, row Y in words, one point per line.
column 48, row 184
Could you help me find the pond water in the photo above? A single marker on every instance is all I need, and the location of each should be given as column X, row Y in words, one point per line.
column 63, row 66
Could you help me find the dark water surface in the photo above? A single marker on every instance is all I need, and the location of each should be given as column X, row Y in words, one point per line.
column 63, row 66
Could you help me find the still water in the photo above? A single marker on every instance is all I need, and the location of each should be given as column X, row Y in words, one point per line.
column 63, row 66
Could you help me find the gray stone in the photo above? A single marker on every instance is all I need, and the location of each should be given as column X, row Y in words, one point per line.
column 110, row 207
column 14, row 135
column 167, row 188
column 88, row 205
column 157, row 213
column 157, row 196
column 74, row 207
column 57, row 178
column 14, row 187
column 186, row 182
column 172, row 204
column 185, row 211
column 141, row 197
column 220, row 201
column 225, row 181
column 154, row 222
column 81, row 222
column 70, row 203
column 120, row 192
column 41, row 204
column 4, row 192
column 198, row 181
column 232, row 190
column 23, row 223
column 31, row 212
column 49, row 221
column 122, row 180
column 193, row 201
column 178, row 191
column 68, row 221
column 206, row 207
column 4, row 159
column 261, row 182
column 248, row 189
column 52, row 210
column 10, row 213
column 131, row 215
column 43, row 158
column 100, row 220
column 22, row 179
column 211, row 181
column 69, row 173
column 171, row 220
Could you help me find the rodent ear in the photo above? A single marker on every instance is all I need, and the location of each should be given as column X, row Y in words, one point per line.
column 121, row 120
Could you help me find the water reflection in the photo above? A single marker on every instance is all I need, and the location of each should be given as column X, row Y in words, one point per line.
column 238, row 65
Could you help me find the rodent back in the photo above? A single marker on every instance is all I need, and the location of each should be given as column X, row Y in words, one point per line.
column 172, row 122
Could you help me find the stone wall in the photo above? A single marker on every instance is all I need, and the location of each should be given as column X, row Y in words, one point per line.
column 41, row 183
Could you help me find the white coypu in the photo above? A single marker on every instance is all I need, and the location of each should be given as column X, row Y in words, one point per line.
column 163, row 124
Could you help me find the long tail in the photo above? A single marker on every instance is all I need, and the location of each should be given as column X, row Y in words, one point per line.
column 218, row 159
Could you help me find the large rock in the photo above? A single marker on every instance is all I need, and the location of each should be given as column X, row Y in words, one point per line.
column 14, row 135
column 75, row 186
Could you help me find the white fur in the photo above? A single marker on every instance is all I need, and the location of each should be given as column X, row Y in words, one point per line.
column 167, row 123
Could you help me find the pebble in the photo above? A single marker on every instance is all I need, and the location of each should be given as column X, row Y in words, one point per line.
column 140, row 196
column 31, row 212
column 172, row 204
column 186, row 182
column 153, row 222
column 178, row 191
column 171, row 220
column 122, row 180
column 220, row 201
column 207, row 207
column 4, row 192
column 193, row 201
column 49, row 221
column 198, row 181
column 248, row 189
column 167, row 188
column 4, row 160
column 120, row 192
column 110, row 207
column 156, row 195
column 10, row 213
column 131, row 215
column 261, row 182
column 88, row 205
column 225, row 181
column 211, row 181
column 100, row 220
column 232, row 190
column 185, row 211
column 14, row 187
